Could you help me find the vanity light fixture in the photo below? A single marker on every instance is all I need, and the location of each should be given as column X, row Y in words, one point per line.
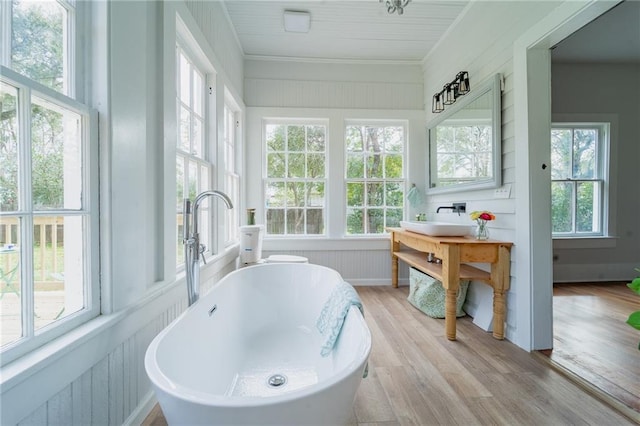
column 438, row 106
column 395, row 5
column 297, row 21
column 451, row 91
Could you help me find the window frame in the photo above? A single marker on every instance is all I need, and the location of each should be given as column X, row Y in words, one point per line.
column 28, row 88
column 295, row 121
column 384, row 180
column 232, row 173
column 76, row 67
column 602, row 179
column 210, row 213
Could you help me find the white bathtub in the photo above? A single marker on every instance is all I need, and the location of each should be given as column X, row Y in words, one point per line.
column 213, row 368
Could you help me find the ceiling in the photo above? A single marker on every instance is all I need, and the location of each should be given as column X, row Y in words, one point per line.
column 612, row 37
column 343, row 30
column 362, row 30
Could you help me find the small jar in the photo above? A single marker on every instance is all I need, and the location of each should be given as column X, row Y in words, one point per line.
column 251, row 216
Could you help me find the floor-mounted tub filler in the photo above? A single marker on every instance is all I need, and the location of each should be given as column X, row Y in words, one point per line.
column 249, row 352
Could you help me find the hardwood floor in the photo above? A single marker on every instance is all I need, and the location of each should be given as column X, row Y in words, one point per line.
column 418, row 377
column 592, row 340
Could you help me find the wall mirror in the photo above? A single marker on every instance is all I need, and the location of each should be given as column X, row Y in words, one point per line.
column 465, row 149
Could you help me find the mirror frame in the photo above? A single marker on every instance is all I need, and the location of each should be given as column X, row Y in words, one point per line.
column 493, row 86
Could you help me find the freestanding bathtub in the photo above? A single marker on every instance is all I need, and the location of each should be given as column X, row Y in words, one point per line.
column 248, row 352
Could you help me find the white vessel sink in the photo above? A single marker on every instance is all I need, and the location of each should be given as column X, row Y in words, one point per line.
column 436, row 229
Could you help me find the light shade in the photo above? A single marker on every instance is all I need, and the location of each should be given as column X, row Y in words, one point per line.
column 297, row 21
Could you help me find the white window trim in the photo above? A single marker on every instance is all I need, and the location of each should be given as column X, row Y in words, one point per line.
column 194, row 51
column 609, row 237
column 64, row 325
column 231, row 105
column 263, row 213
column 377, row 123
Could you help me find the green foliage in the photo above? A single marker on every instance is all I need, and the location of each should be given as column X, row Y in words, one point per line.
column 374, row 164
column 296, row 167
column 634, row 318
column 37, row 42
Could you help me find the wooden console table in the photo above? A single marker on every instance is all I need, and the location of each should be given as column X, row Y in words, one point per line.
column 455, row 253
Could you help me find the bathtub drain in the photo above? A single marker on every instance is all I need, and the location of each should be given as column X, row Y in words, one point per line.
column 277, row 380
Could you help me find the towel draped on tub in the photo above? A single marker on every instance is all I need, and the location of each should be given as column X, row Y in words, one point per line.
column 333, row 313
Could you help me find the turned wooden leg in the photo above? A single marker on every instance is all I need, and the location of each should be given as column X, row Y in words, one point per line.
column 499, row 313
column 500, row 278
column 450, row 313
column 394, row 271
column 450, row 281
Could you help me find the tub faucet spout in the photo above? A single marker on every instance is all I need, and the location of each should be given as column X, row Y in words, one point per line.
column 193, row 250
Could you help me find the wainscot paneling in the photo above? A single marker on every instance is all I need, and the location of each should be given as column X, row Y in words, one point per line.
column 116, row 389
column 358, row 267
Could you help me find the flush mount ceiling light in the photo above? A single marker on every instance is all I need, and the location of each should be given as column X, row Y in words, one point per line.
column 297, row 21
column 395, row 5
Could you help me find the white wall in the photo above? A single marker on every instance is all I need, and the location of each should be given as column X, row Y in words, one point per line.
column 335, row 92
column 593, row 91
column 483, row 42
column 95, row 374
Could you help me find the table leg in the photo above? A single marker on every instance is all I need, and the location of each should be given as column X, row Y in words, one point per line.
column 451, row 282
column 500, row 280
column 395, row 246
column 498, row 314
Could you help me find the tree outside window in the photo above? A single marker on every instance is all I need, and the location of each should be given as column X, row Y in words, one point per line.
column 295, row 181
column 374, row 177
column 578, row 178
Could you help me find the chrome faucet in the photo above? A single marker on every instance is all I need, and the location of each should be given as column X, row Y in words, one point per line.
column 193, row 250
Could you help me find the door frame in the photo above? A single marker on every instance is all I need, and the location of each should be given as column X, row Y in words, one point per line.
column 532, row 110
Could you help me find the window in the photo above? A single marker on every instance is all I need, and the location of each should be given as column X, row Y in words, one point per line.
column 41, row 41
column 193, row 171
column 231, row 172
column 295, row 180
column 48, row 189
column 374, row 177
column 578, row 177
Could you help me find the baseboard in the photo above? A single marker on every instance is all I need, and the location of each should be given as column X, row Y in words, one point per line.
column 142, row 410
column 597, row 272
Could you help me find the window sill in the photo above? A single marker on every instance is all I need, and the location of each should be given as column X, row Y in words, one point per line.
column 584, row 243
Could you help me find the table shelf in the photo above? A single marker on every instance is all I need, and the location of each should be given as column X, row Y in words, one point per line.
column 419, row 261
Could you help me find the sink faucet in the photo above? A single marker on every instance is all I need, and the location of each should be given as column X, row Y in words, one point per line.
column 456, row 208
column 193, row 250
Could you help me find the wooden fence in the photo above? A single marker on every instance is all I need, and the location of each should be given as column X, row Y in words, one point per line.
column 48, row 253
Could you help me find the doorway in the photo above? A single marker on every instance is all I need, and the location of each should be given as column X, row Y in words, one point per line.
column 534, row 58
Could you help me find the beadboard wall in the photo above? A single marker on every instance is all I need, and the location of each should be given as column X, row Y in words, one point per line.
column 279, row 83
column 484, row 38
column 211, row 18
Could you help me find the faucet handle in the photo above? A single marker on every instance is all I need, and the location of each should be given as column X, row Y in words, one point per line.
column 202, row 250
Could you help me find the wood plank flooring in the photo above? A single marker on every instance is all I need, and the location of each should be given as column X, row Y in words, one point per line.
column 592, row 340
column 418, row 377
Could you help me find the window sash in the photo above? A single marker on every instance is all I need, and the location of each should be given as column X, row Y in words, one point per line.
column 377, row 208
column 197, row 167
column 295, row 216
column 231, row 175
column 598, row 202
column 28, row 215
